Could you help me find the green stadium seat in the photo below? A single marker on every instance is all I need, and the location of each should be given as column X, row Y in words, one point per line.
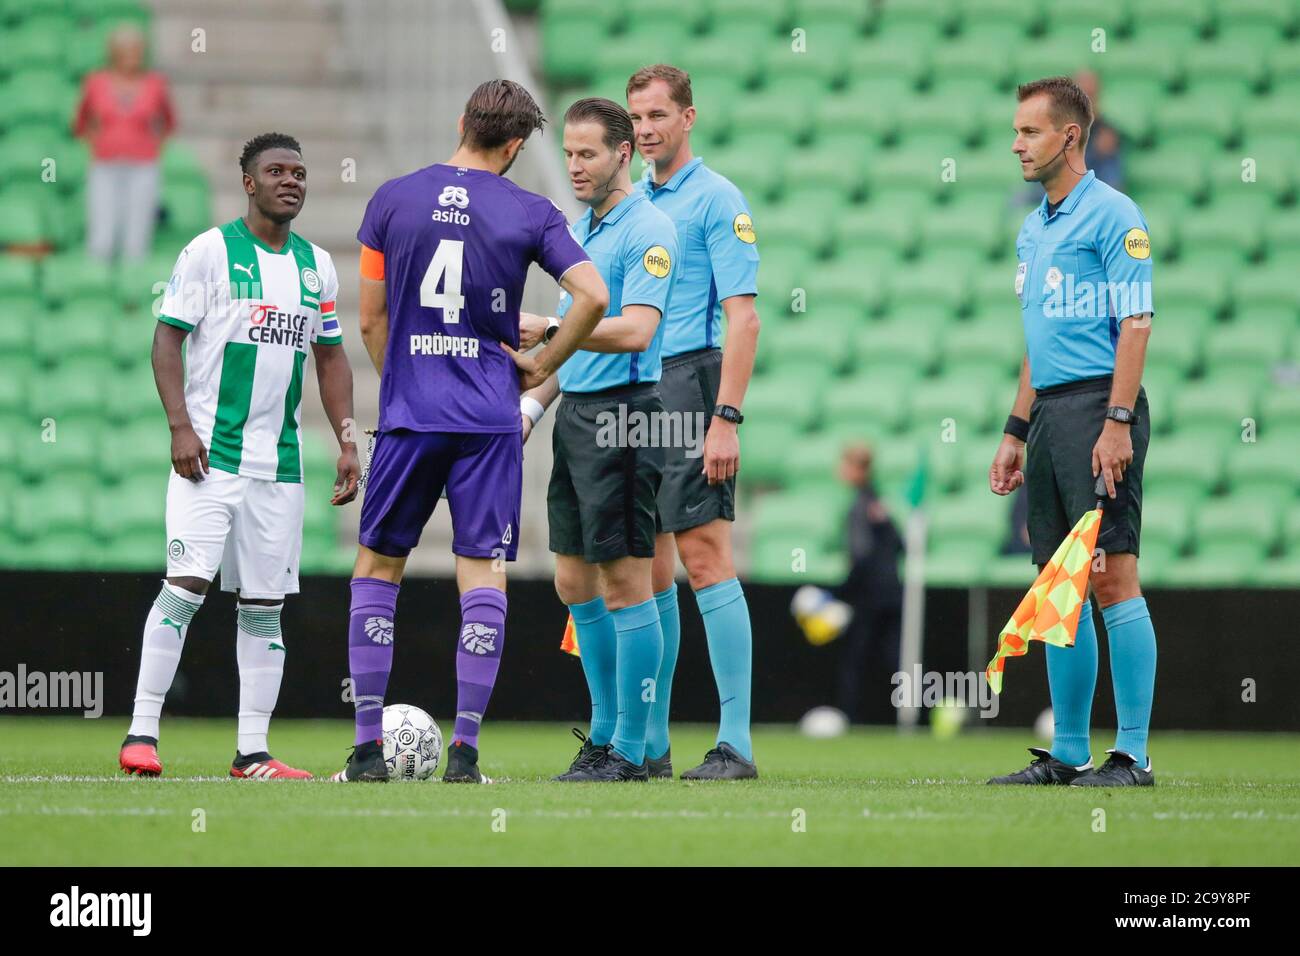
column 1173, row 348
column 76, row 276
column 567, row 45
column 800, row 511
column 965, row 403
column 728, row 14
column 143, row 282
column 813, row 463
column 897, row 344
column 1192, row 295
column 80, row 328
column 1131, row 72
column 793, row 399
column 35, row 44
column 131, row 508
column 1171, row 24
column 767, row 446
column 1282, row 239
column 864, row 234
column 17, row 277
column 43, row 96
column 15, row 372
column 1280, row 408
column 133, row 452
column 1166, row 529
column 1173, row 178
column 990, row 20
column 1216, row 408
column 785, row 560
column 962, row 233
column 944, row 284
column 22, row 220
column 866, row 402
column 934, row 128
column 1217, row 238
column 67, row 446
column 642, row 16
column 777, row 114
column 116, row 10
column 1062, row 51
column 887, row 68
column 809, row 346
column 1237, row 531
column 1185, row 124
column 1223, row 74
column 757, row 176
column 970, row 526
column 789, row 223
column 1181, row 468
column 186, row 208
column 1240, row 347
column 914, row 23
column 841, row 283
column 993, row 346
column 132, row 396
column 72, row 388
column 811, row 73
column 715, row 57
column 1263, row 470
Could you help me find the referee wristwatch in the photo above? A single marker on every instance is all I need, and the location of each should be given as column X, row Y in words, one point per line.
column 1118, row 413
column 729, row 413
column 552, row 326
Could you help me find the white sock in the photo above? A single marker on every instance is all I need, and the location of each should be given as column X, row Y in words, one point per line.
column 160, row 652
column 260, row 651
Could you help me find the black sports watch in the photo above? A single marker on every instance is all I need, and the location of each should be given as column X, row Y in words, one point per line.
column 729, row 413
column 552, row 326
column 1118, row 413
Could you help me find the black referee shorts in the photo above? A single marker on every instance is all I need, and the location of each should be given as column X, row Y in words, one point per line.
column 1064, row 425
column 689, row 386
column 601, row 500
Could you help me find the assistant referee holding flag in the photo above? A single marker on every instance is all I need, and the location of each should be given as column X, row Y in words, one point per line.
column 1084, row 283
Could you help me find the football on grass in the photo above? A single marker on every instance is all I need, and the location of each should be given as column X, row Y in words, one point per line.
column 412, row 743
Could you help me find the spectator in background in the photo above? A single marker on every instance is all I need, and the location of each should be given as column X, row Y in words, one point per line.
column 873, row 588
column 1103, row 153
column 124, row 114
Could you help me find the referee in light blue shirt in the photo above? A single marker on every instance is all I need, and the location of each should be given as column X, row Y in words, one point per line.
column 607, row 443
column 704, row 381
column 1084, row 284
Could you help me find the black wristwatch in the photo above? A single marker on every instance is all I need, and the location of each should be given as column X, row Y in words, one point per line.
column 1118, row 413
column 729, row 413
column 552, row 326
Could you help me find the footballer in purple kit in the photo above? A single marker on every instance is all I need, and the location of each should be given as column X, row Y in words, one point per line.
column 445, row 252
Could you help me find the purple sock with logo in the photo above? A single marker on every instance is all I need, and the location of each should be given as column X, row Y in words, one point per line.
column 370, row 652
column 478, row 654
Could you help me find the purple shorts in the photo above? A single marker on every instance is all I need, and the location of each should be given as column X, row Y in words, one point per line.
column 483, row 475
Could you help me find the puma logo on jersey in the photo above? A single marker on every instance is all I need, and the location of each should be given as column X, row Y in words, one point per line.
column 248, row 269
column 479, row 638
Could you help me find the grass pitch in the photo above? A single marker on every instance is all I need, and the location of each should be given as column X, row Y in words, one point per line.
column 872, row 797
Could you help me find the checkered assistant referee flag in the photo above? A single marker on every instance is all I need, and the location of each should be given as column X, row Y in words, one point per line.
column 1049, row 612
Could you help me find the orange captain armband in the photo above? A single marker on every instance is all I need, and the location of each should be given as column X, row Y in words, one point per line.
column 372, row 264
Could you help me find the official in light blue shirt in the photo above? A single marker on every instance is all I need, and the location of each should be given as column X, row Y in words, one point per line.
column 1083, row 269
column 635, row 248
column 719, row 253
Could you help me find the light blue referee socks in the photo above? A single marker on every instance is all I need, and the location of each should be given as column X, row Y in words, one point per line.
column 1072, row 676
column 640, row 645
column 1132, row 642
column 731, row 652
column 597, row 649
column 670, row 622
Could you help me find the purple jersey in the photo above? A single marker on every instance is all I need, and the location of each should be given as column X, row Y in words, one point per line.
column 457, row 244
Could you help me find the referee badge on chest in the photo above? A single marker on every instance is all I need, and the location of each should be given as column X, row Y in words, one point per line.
column 1053, row 278
column 1020, row 277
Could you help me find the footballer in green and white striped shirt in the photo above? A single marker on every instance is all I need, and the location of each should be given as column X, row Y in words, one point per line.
column 247, row 300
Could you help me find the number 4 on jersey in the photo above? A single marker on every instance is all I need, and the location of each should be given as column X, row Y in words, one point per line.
column 445, row 267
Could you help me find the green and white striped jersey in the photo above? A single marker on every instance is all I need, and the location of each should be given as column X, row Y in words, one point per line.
column 251, row 313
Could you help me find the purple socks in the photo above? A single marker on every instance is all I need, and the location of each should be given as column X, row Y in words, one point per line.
column 370, row 651
column 478, row 654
